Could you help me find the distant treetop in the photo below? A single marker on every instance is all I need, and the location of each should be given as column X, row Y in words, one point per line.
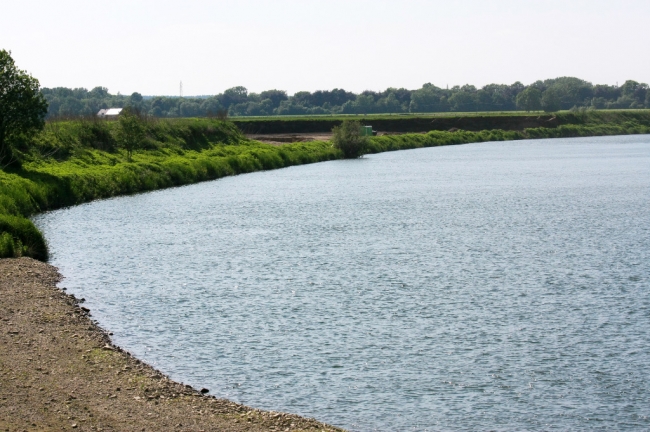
column 551, row 94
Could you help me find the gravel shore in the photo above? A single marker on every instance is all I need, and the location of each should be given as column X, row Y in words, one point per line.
column 60, row 371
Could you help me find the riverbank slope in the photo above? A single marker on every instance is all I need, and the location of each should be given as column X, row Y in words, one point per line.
column 60, row 371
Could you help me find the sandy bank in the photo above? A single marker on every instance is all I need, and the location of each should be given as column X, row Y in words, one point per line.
column 58, row 370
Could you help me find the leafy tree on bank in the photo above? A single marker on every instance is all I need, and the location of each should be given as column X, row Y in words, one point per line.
column 347, row 138
column 530, row 99
column 551, row 100
column 22, row 107
column 131, row 133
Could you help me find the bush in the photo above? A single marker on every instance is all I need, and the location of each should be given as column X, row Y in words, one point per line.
column 347, row 138
column 131, row 133
column 6, row 245
column 96, row 133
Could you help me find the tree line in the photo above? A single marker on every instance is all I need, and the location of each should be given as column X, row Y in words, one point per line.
column 550, row 95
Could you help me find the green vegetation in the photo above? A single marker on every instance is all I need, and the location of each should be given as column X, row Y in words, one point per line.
column 530, row 99
column 562, row 93
column 22, row 107
column 131, row 133
column 347, row 138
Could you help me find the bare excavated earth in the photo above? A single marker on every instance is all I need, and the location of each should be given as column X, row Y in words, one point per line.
column 59, row 371
column 287, row 138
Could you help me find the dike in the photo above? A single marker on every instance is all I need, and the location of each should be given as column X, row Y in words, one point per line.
column 441, row 122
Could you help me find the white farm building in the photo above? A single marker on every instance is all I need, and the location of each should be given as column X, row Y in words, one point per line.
column 110, row 113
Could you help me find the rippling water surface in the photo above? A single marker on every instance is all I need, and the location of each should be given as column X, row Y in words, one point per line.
column 495, row 286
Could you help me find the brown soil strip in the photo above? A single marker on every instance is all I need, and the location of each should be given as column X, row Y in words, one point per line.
column 280, row 139
column 59, row 371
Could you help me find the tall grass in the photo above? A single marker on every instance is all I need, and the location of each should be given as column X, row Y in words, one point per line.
column 76, row 161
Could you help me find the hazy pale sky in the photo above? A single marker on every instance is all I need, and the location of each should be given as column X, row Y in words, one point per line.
column 149, row 46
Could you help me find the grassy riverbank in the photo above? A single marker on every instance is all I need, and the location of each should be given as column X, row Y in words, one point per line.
column 78, row 161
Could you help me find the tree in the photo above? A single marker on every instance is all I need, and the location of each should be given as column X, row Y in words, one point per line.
column 464, row 99
column 22, row 107
column 530, row 99
column 276, row 96
column 233, row 96
column 135, row 101
column 551, row 100
column 571, row 91
column 131, row 132
column 98, row 93
column 347, row 138
column 428, row 99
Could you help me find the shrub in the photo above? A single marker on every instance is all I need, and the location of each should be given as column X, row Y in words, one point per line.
column 347, row 138
column 95, row 133
column 131, row 132
column 6, row 245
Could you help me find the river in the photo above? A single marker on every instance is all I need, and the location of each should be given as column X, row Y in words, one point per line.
column 500, row 286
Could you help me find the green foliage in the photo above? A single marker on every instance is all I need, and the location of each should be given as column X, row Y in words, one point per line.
column 530, row 99
column 131, row 133
column 22, row 107
column 551, row 100
column 96, row 133
column 347, row 138
column 6, row 245
column 27, row 240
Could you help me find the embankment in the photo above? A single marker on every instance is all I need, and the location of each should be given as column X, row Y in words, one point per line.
column 443, row 122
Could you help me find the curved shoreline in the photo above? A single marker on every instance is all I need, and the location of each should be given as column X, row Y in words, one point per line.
column 33, row 396
column 59, row 370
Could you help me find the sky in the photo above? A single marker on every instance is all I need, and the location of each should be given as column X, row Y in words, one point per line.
column 150, row 46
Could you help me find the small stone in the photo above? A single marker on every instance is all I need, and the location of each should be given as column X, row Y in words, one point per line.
column 74, row 425
column 205, row 390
